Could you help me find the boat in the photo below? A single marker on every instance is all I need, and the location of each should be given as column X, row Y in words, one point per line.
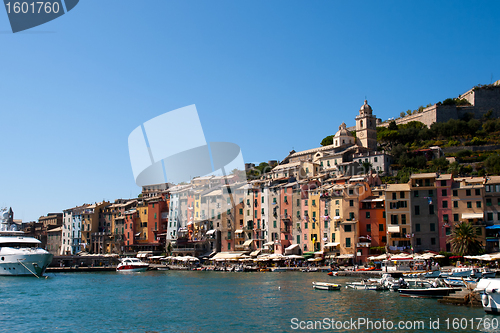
column 366, row 285
column 278, row 269
column 132, row 265
column 490, row 295
column 333, row 273
column 421, row 288
column 20, row 255
column 326, row 286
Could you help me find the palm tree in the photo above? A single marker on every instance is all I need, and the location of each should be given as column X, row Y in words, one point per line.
column 463, row 239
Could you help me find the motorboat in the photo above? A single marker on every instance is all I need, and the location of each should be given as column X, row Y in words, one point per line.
column 132, row 265
column 326, row 286
column 490, row 295
column 426, row 288
column 20, row 255
column 333, row 273
column 366, row 285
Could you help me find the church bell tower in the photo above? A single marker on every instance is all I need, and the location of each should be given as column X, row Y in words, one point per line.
column 366, row 127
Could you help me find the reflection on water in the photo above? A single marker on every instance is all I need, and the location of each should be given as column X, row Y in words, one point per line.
column 170, row 301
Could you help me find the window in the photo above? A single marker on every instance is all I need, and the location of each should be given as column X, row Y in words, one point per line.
column 351, row 203
column 262, row 199
column 383, row 214
column 478, row 231
column 432, row 227
column 298, row 202
column 431, row 209
column 306, row 213
column 431, row 193
column 488, row 202
column 444, row 193
column 445, row 217
column 478, row 204
column 455, row 193
column 381, row 227
column 468, row 193
column 368, row 228
column 347, row 242
column 403, row 218
column 489, row 216
column 401, row 195
column 337, row 212
column 394, row 219
column 419, row 241
column 305, row 202
column 155, row 215
column 367, row 215
column 351, row 216
column 274, row 224
column 417, row 227
column 415, row 194
column 403, row 231
column 347, row 228
column 433, row 241
column 314, row 214
column 448, row 231
column 443, row 183
column 417, row 210
column 394, row 196
column 469, row 204
column 298, row 239
column 326, row 224
column 351, row 191
column 337, row 202
column 314, row 202
column 478, row 191
column 305, row 225
column 455, row 204
column 455, row 217
column 445, row 204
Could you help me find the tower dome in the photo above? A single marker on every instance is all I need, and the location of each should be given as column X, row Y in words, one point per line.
column 365, row 109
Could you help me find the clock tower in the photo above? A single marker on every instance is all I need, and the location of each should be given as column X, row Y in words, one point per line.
column 366, row 127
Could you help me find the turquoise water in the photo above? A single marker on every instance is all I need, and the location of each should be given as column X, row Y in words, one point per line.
column 180, row 301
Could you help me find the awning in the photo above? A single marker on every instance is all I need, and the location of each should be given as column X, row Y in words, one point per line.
column 345, row 256
column 268, row 243
column 227, row 255
column 239, row 231
column 137, row 234
column 255, row 253
column 291, row 247
column 496, row 226
column 393, row 229
column 248, row 242
column 332, row 244
column 319, row 252
column 472, row 216
column 209, row 232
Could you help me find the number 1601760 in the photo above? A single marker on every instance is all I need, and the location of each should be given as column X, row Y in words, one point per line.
column 39, row 7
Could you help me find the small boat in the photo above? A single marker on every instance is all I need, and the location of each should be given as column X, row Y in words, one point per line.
column 490, row 295
column 365, row 285
column 326, row 286
column 132, row 265
column 278, row 269
column 421, row 288
column 333, row 273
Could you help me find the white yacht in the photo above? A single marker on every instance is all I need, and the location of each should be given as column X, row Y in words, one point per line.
column 20, row 255
column 490, row 295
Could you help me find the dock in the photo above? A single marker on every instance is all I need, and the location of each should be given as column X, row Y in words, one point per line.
column 464, row 297
column 75, row 269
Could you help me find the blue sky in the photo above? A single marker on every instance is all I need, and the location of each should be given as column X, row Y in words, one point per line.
column 267, row 75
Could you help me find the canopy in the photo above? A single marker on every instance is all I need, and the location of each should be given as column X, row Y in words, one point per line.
column 291, row 247
column 239, row 231
column 472, row 215
column 315, row 259
column 248, row 242
column 209, row 232
column 345, row 256
column 393, row 229
column 332, row 244
column 496, row 226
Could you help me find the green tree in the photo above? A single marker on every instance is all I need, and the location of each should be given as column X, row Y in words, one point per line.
column 463, row 239
column 402, row 114
column 492, row 164
column 440, row 164
column 392, row 126
column 408, row 112
column 367, row 166
column 327, row 141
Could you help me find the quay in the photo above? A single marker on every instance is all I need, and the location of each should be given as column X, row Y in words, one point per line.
column 74, row 269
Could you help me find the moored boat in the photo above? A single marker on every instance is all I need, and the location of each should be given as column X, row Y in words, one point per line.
column 132, row 265
column 490, row 295
column 326, row 286
column 366, row 285
column 421, row 288
column 20, row 255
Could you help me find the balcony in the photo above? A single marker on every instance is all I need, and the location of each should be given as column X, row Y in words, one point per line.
column 285, row 217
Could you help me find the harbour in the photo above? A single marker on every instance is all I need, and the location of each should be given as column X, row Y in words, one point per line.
column 207, row 301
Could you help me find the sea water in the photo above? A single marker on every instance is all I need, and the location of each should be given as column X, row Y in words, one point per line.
column 183, row 301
